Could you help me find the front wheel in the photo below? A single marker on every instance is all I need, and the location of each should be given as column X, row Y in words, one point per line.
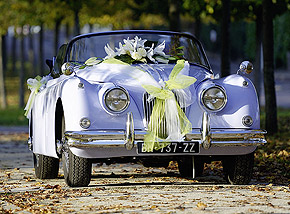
column 190, row 166
column 77, row 170
column 238, row 169
column 45, row 167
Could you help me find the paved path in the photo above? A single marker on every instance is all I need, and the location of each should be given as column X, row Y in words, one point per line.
column 132, row 188
column 13, row 129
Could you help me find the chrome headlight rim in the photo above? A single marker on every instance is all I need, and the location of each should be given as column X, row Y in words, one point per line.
column 110, row 110
column 224, row 94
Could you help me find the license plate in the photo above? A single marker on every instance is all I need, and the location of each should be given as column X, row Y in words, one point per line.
column 174, row 147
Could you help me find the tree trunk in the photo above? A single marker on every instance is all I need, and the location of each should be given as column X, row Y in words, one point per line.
column 2, row 82
column 174, row 15
column 14, row 57
column 226, row 43
column 4, row 53
column 197, row 27
column 41, row 47
column 269, row 81
column 77, row 30
column 67, row 33
column 259, row 35
column 31, row 52
column 22, row 72
column 56, row 35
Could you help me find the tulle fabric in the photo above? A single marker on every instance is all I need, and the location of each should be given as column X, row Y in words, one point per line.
column 35, row 85
column 168, row 122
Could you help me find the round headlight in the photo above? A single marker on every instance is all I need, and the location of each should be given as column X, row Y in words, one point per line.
column 214, row 98
column 117, row 100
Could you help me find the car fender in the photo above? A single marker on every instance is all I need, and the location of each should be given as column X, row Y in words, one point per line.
column 82, row 99
column 242, row 101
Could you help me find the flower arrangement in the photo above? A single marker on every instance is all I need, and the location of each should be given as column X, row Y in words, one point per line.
column 134, row 50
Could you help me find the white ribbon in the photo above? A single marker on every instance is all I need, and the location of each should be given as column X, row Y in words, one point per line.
column 35, row 85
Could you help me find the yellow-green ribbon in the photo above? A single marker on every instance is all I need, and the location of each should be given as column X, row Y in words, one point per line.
column 156, row 139
column 165, row 106
column 34, row 85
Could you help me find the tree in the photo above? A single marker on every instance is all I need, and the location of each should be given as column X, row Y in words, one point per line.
column 196, row 9
column 269, row 82
column 226, row 43
column 4, row 24
column 259, row 36
column 174, row 15
column 2, row 82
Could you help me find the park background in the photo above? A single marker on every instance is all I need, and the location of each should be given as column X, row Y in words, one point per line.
column 230, row 30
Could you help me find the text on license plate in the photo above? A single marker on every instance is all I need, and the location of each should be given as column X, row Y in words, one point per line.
column 174, row 147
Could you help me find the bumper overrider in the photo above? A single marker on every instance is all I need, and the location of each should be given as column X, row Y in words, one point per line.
column 209, row 139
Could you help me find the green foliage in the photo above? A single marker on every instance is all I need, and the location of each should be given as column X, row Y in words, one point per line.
column 281, row 38
column 250, row 44
column 12, row 116
column 5, row 17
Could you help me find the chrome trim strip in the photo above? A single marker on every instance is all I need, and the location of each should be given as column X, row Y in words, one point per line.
column 206, row 132
column 118, row 143
column 129, row 137
column 219, row 138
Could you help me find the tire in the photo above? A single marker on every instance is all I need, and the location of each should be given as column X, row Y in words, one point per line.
column 45, row 167
column 238, row 169
column 77, row 170
column 190, row 166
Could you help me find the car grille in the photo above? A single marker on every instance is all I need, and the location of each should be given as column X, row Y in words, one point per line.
column 148, row 107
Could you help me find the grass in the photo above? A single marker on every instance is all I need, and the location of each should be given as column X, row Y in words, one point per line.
column 13, row 116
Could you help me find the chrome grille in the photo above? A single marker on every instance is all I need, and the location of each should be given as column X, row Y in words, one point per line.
column 148, row 107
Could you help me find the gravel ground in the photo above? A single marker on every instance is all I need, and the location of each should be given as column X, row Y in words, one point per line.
column 128, row 188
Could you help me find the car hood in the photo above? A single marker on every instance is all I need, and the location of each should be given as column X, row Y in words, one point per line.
column 132, row 77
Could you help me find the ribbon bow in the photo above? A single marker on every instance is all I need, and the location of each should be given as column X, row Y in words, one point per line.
column 35, row 85
column 166, row 114
column 167, row 111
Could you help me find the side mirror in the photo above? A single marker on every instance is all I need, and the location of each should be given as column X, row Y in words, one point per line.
column 67, row 68
column 246, row 67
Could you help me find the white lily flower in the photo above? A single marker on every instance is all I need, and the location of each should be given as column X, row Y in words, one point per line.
column 150, row 53
column 120, row 50
column 159, row 49
column 139, row 54
column 128, row 46
column 136, row 56
column 110, row 52
column 142, row 51
column 139, row 42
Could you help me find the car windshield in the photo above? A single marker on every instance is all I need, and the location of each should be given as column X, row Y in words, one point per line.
column 158, row 46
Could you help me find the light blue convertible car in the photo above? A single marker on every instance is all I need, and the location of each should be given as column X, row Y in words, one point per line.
column 146, row 96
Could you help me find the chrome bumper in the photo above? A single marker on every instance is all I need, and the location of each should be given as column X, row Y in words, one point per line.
column 128, row 138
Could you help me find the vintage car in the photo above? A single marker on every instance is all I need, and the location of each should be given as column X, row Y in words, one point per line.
column 141, row 96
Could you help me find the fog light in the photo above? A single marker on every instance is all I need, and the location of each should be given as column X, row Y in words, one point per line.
column 85, row 123
column 247, row 121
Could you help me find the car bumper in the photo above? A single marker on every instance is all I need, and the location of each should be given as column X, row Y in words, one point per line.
column 101, row 144
column 219, row 138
